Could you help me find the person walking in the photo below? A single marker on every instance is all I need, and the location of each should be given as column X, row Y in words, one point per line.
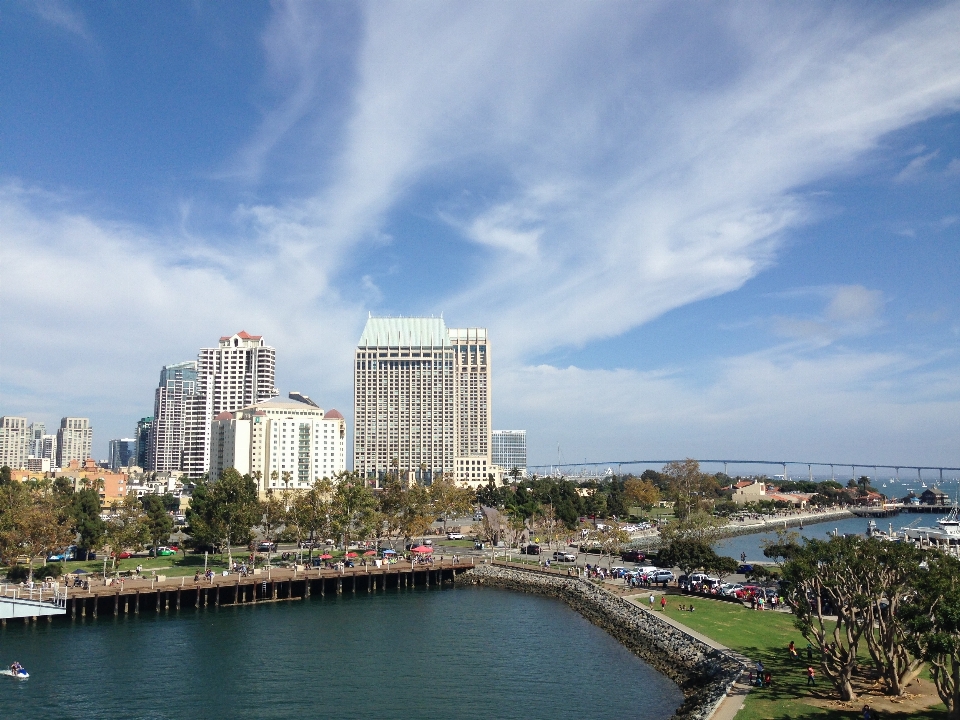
column 651, row 601
column 811, row 675
column 663, row 603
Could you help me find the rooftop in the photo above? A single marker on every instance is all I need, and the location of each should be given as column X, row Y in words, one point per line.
column 408, row 332
column 243, row 335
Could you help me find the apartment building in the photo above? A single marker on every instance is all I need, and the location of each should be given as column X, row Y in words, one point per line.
column 14, row 442
column 236, row 374
column 74, row 441
column 175, row 402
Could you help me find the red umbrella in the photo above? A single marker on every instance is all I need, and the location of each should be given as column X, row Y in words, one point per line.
column 422, row 549
column 326, row 556
column 370, row 552
column 351, row 554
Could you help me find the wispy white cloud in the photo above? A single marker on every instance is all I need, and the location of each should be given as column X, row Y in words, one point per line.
column 62, row 15
column 916, row 167
column 679, row 195
column 96, row 308
column 848, row 310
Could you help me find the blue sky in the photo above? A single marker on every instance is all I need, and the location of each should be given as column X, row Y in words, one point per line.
column 692, row 230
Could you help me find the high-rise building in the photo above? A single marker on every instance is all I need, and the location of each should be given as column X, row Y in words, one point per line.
column 510, row 450
column 471, row 368
column 14, row 442
column 144, row 426
column 422, row 400
column 74, row 440
column 123, row 453
column 286, row 444
column 174, row 403
column 36, row 432
column 48, row 449
column 238, row 373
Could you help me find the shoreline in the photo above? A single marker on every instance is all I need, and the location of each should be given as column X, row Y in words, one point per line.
column 739, row 529
column 705, row 675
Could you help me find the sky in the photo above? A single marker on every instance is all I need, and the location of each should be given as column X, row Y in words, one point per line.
column 693, row 230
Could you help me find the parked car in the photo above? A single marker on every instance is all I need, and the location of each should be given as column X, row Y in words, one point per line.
column 632, row 556
column 730, row 589
column 124, row 555
column 564, row 556
column 164, row 551
column 69, row 553
column 661, row 576
column 531, row 549
column 267, row 547
column 454, row 536
column 745, row 569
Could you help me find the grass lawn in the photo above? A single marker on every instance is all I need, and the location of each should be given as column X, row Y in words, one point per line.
column 764, row 636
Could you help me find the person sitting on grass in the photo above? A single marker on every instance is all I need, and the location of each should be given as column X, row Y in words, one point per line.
column 766, row 679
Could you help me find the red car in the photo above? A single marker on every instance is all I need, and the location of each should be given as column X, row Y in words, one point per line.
column 125, row 555
column 175, row 548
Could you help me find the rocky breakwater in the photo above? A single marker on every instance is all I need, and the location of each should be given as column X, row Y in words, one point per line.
column 704, row 674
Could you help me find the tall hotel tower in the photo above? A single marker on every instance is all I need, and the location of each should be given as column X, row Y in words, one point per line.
column 237, row 373
column 422, row 400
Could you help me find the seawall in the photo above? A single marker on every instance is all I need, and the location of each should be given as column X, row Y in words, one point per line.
column 703, row 674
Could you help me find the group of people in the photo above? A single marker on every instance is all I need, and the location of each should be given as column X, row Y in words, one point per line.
column 207, row 575
column 16, row 668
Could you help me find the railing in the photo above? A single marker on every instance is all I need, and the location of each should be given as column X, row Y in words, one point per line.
column 55, row 595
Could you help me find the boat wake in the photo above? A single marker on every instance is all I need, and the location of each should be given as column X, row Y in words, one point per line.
column 23, row 675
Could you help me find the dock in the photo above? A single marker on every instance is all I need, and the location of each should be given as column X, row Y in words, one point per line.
column 136, row 595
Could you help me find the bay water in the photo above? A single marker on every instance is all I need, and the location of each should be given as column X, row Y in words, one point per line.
column 465, row 652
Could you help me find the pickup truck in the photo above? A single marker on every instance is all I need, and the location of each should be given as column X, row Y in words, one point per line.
column 563, row 556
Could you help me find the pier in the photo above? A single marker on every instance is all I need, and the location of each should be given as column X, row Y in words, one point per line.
column 136, row 595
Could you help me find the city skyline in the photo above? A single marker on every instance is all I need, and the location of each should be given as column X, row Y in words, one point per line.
column 741, row 241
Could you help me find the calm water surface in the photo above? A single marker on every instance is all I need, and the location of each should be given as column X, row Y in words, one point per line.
column 459, row 653
column 752, row 546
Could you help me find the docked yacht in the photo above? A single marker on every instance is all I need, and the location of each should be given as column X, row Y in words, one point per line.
column 947, row 530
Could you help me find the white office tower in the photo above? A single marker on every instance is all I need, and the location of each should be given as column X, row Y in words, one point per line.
column 14, row 442
column 74, row 441
column 284, row 443
column 510, row 450
column 236, row 374
column 421, row 400
column 173, row 407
